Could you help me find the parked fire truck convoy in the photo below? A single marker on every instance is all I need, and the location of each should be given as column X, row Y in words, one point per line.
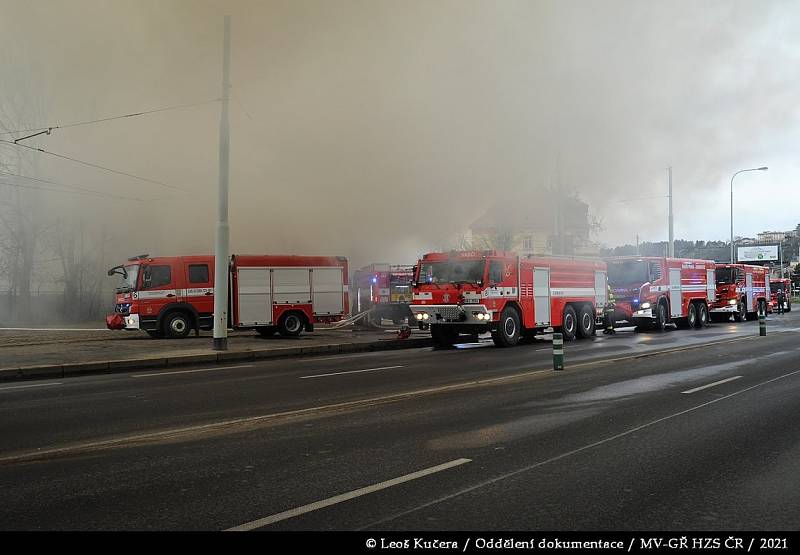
column 458, row 294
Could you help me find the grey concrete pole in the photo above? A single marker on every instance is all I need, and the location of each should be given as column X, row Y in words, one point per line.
column 222, row 246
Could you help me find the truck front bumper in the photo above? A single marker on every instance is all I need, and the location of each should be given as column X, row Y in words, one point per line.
column 451, row 314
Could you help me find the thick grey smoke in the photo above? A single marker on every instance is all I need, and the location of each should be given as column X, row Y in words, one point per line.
column 379, row 129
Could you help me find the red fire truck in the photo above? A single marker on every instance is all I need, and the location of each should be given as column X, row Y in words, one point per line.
column 652, row 291
column 472, row 292
column 385, row 289
column 171, row 296
column 741, row 292
column 775, row 286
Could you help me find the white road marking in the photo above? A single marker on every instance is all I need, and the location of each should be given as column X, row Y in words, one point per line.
column 352, row 372
column 191, row 371
column 31, row 385
column 573, row 452
column 702, row 387
column 345, row 497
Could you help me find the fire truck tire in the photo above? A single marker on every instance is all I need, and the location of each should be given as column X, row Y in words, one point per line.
column 691, row 318
column 291, row 324
column 508, row 329
column 178, row 325
column 585, row 322
column 569, row 327
column 661, row 317
column 702, row 315
column 741, row 313
column 443, row 337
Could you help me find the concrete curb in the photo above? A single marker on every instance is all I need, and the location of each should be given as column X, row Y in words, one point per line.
column 110, row 366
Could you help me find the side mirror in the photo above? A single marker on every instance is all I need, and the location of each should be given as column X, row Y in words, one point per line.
column 414, row 284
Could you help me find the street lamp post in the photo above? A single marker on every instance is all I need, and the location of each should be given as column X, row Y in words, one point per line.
column 763, row 168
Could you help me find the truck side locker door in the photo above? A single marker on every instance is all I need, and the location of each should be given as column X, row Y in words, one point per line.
column 541, row 296
column 600, row 289
column 199, row 290
column 711, row 286
column 675, row 293
column 748, row 287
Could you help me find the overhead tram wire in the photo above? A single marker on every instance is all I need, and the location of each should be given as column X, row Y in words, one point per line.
column 75, row 190
column 92, row 165
column 110, row 118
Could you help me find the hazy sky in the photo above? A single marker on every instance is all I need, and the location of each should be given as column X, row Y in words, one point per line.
column 373, row 128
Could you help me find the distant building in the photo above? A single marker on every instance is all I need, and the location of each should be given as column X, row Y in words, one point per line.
column 771, row 236
column 532, row 226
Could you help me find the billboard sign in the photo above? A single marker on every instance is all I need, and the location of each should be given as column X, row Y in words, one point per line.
column 759, row 253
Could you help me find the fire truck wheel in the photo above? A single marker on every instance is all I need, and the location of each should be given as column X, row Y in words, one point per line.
column 691, row 318
column 661, row 317
column 443, row 337
column 585, row 322
column 741, row 314
column 177, row 325
column 702, row 315
column 508, row 329
column 569, row 326
column 291, row 324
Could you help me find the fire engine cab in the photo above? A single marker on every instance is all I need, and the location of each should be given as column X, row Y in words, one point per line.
column 741, row 292
column 472, row 292
column 651, row 291
column 171, row 296
column 384, row 289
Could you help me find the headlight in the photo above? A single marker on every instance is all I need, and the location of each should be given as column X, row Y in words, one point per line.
column 419, row 316
column 425, row 315
column 733, row 301
column 645, row 305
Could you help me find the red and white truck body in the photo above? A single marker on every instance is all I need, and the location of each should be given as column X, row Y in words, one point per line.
column 471, row 292
column 741, row 291
column 384, row 289
column 775, row 286
column 653, row 291
column 175, row 294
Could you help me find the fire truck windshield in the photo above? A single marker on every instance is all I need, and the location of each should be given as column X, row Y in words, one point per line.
column 774, row 287
column 452, row 271
column 627, row 272
column 725, row 276
column 129, row 279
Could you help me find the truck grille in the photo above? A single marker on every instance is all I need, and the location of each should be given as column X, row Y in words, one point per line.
column 449, row 312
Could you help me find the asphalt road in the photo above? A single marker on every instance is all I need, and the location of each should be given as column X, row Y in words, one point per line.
column 674, row 430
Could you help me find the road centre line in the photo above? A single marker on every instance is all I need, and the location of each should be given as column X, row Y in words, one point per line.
column 702, row 387
column 191, row 371
column 291, row 513
column 31, row 385
column 573, row 452
column 352, row 371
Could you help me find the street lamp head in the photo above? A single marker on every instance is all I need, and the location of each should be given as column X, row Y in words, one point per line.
column 763, row 168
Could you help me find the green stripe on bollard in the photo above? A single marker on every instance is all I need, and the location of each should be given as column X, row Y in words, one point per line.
column 558, row 351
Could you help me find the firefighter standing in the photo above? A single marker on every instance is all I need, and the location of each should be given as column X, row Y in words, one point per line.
column 608, row 314
column 781, row 299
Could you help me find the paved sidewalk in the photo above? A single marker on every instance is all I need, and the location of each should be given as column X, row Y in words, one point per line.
column 35, row 353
